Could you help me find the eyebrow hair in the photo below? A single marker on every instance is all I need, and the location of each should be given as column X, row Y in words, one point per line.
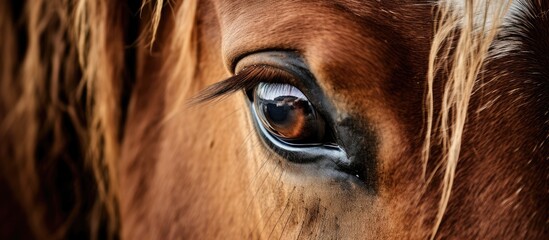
column 246, row 79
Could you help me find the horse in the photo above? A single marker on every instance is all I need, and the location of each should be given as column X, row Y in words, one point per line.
column 296, row 119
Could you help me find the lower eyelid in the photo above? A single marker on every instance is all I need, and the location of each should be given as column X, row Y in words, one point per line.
column 325, row 157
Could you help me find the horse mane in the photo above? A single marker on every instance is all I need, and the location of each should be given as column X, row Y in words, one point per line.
column 64, row 67
column 66, row 71
column 464, row 33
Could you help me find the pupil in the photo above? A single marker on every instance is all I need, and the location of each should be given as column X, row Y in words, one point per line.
column 278, row 110
column 277, row 114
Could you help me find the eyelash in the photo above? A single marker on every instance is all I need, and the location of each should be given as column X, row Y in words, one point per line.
column 245, row 80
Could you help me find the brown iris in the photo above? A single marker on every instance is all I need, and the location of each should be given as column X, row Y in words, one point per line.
column 287, row 114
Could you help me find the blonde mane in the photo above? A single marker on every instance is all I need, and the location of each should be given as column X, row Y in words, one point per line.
column 463, row 36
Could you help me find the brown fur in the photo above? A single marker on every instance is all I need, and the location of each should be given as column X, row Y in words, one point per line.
column 256, row 194
column 158, row 168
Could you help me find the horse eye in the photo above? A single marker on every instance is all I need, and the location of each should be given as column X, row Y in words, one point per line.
column 287, row 114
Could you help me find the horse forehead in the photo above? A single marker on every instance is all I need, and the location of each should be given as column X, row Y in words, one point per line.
column 333, row 31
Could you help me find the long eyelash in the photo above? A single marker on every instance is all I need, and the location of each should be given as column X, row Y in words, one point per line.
column 244, row 80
